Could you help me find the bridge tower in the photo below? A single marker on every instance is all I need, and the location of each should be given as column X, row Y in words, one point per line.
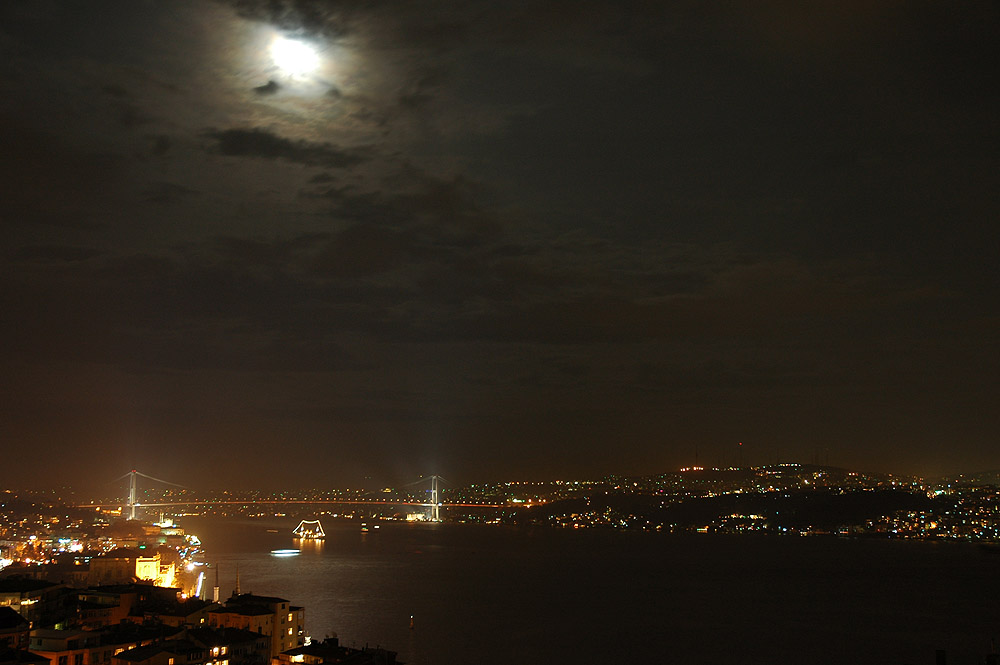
column 131, row 494
column 435, row 500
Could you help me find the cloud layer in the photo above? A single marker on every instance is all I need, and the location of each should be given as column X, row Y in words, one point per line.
column 499, row 241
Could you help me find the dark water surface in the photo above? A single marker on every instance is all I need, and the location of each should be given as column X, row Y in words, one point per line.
column 490, row 595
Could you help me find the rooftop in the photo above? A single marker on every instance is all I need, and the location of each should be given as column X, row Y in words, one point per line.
column 330, row 651
column 53, row 633
column 123, row 553
column 173, row 607
column 11, row 620
column 211, row 637
column 249, row 610
column 251, row 599
column 23, row 585
column 139, row 654
column 20, row 656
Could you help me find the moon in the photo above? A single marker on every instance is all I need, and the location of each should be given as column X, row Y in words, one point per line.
column 294, row 57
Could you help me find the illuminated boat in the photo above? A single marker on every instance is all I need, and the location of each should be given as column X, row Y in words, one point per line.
column 309, row 530
column 285, row 552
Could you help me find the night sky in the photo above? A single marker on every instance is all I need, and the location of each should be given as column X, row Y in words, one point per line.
column 495, row 240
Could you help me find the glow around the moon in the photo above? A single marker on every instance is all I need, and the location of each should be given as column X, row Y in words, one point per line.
column 294, row 57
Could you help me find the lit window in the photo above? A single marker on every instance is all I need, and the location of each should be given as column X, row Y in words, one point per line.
column 170, row 661
column 223, row 651
column 289, row 616
column 289, row 631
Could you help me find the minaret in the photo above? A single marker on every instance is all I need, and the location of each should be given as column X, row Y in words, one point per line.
column 236, row 591
column 215, row 589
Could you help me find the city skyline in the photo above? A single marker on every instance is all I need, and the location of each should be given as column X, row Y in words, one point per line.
column 255, row 243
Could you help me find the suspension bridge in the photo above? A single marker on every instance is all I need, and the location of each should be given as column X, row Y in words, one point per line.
column 435, row 504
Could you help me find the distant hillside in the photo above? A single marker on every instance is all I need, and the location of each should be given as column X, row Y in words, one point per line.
column 817, row 509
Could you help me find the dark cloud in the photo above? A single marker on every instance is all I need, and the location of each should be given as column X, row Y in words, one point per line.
column 55, row 253
column 260, row 254
column 161, row 145
column 130, row 115
column 49, row 181
column 363, row 250
column 268, row 88
column 264, row 144
column 168, row 192
column 297, row 16
column 115, row 91
column 443, row 211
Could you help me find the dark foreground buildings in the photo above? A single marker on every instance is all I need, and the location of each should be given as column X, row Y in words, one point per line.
column 44, row 623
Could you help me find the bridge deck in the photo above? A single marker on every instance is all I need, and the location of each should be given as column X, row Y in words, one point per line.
column 279, row 502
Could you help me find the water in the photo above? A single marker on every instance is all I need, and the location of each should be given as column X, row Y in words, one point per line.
column 489, row 595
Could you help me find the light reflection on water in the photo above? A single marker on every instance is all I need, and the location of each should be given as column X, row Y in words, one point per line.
column 490, row 595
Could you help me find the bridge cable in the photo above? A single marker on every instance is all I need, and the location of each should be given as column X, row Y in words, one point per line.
column 165, row 482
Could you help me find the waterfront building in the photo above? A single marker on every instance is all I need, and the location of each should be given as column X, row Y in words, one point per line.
column 329, row 652
column 241, row 646
column 265, row 615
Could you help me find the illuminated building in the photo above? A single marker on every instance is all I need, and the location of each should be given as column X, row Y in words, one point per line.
column 124, row 565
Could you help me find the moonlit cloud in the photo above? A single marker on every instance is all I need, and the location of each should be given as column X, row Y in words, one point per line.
column 294, row 57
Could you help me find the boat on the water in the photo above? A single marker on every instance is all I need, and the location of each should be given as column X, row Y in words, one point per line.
column 310, row 530
column 285, row 552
